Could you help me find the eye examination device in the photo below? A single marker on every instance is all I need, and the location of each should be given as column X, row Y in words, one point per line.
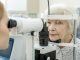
column 42, row 47
column 26, row 25
column 30, row 25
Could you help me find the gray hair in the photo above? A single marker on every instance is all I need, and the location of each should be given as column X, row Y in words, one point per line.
column 62, row 9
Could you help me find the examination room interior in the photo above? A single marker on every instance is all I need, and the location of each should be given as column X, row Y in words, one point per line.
column 35, row 30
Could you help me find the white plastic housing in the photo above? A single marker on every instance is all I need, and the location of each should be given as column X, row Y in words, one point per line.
column 26, row 25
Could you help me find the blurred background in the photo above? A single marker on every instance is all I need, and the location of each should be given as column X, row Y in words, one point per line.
column 34, row 8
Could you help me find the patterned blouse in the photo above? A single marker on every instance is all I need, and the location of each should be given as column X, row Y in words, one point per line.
column 68, row 52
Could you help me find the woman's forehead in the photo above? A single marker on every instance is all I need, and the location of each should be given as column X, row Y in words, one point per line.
column 53, row 20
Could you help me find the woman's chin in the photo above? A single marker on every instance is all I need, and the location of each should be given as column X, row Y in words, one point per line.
column 53, row 38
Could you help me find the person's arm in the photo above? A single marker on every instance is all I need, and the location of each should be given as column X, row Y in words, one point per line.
column 4, row 32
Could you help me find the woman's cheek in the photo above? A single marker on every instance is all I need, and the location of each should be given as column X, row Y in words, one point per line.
column 4, row 37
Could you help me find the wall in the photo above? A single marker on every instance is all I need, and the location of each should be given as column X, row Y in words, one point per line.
column 33, row 7
column 43, row 3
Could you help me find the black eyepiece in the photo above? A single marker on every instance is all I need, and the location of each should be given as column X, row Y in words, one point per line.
column 12, row 23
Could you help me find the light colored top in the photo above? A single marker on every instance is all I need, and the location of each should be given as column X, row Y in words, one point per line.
column 69, row 53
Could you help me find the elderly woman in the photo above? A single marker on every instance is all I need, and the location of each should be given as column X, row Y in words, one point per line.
column 61, row 29
column 4, row 32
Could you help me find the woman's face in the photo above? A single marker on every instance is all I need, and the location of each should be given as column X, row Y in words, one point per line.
column 4, row 31
column 58, row 29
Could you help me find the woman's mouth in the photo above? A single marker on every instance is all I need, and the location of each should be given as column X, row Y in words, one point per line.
column 53, row 34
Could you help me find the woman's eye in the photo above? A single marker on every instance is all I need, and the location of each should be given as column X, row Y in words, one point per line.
column 49, row 22
column 58, row 22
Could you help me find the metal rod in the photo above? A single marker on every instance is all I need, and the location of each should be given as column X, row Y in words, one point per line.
column 48, row 7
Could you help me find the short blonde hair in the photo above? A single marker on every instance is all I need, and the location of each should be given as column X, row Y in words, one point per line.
column 3, row 13
column 1, row 10
column 62, row 9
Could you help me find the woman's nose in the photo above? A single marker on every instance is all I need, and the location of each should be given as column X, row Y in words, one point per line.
column 51, row 28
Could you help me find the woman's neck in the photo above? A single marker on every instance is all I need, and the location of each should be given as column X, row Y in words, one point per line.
column 68, row 39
